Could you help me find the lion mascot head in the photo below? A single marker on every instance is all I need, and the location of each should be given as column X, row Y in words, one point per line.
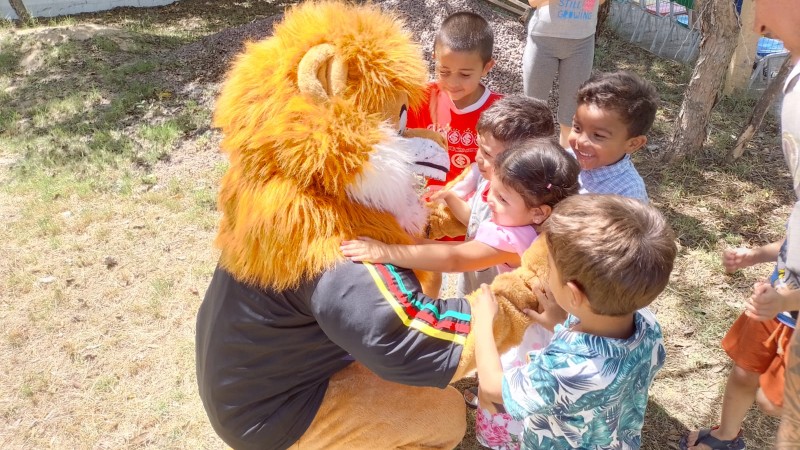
column 314, row 126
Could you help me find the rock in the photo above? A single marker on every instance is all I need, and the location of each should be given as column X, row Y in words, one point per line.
column 110, row 261
column 47, row 279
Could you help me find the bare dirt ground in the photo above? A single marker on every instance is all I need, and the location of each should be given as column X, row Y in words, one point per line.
column 105, row 263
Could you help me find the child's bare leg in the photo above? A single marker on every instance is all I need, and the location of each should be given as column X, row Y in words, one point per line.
column 767, row 406
column 740, row 393
column 487, row 404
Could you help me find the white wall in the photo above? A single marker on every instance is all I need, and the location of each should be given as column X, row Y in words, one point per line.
column 51, row 8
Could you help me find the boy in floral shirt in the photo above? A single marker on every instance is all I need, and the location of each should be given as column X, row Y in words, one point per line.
column 609, row 257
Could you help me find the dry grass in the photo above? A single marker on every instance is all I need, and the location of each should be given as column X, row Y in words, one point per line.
column 109, row 173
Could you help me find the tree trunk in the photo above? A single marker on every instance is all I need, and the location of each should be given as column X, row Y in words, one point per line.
column 760, row 110
column 602, row 15
column 719, row 28
column 744, row 55
column 21, row 10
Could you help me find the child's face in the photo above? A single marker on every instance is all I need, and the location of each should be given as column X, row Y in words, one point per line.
column 488, row 149
column 508, row 207
column 459, row 74
column 779, row 19
column 600, row 138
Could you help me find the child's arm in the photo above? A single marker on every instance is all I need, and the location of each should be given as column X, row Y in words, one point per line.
column 490, row 371
column 466, row 182
column 734, row 259
column 458, row 206
column 463, row 257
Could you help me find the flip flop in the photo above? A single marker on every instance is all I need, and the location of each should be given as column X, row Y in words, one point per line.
column 704, row 437
column 471, row 397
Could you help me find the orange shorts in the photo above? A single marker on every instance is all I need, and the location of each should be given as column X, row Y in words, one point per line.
column 760, row 347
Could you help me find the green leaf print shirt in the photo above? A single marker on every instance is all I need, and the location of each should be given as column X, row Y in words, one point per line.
column 586, row 392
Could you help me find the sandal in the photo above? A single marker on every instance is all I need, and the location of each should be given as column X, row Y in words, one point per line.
column 704, row 437
column 471, row 397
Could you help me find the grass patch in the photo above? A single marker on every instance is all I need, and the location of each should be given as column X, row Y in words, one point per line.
column 138, row 67
column 78, row 117
column 105, row 44
column 9, row 57
column 161, row 135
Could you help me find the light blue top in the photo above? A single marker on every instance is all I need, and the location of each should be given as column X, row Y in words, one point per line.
column 585, row 391
column 620, row 178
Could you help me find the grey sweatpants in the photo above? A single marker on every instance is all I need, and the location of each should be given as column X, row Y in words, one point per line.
column 571, row 59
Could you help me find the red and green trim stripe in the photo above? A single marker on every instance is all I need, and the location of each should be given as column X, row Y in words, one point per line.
column 448, row 325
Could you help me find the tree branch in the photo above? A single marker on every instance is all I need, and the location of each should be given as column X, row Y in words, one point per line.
column 760, row 110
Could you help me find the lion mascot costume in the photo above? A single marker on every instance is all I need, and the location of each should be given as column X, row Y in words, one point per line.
column 298, row 347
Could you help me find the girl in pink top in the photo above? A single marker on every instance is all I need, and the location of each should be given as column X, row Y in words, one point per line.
column 527, row 180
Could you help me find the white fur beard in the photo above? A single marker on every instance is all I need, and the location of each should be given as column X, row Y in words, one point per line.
column 388, row 182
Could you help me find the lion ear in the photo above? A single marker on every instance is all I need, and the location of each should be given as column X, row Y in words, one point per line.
column 322, row 73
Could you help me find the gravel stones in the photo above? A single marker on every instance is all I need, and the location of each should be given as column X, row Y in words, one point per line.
column 423, row 18
column 211, row 56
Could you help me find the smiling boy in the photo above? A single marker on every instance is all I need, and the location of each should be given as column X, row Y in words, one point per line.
column 615, row 112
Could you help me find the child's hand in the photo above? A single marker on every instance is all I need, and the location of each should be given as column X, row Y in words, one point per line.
column 734, row 259
column 485, row 308
column 765, row 303
column 440, row 196
column 549, row 314
column 365, row 249
column 431, row 192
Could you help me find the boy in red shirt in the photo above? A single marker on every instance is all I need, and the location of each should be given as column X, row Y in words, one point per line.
column 462, row 52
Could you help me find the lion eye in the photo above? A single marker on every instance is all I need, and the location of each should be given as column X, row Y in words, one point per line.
column 401, row 124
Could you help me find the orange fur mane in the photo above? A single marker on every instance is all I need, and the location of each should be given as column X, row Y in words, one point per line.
column 283, row 199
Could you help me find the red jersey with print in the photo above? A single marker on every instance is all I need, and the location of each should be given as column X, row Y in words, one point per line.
column 456, row 125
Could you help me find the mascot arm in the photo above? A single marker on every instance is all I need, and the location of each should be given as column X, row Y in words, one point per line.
column 378, row 314
column 442, row 222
